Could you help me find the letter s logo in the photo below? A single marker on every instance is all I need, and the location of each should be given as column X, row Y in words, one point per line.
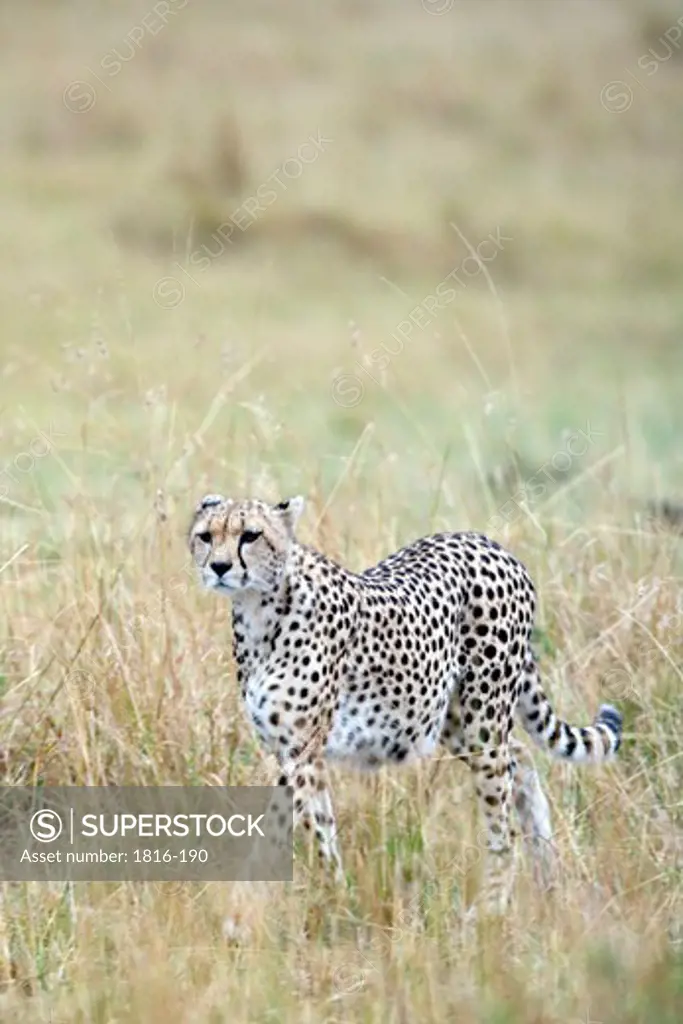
column 46, row 826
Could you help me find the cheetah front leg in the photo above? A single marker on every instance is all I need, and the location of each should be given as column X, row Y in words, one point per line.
column 306, row 773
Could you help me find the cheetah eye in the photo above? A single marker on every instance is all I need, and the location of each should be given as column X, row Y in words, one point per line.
column 205, row 537
column 249, row 536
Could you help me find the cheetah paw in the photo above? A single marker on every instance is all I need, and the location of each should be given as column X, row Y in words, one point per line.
column 235, row 931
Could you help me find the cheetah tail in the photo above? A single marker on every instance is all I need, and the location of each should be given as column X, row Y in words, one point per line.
column 588, row 744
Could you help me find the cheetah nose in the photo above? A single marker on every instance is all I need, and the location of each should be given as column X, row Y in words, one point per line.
column 220, row 568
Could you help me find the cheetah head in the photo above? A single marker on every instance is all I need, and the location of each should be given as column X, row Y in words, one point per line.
column 242, row 545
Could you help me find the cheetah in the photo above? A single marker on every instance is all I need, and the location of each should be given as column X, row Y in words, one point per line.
column 428, row 649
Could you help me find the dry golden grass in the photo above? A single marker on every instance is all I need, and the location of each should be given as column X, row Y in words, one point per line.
column 269, row 378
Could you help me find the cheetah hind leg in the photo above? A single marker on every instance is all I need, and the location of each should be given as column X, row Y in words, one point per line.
column 491, row 766
column 496, row 786
column 533, row 812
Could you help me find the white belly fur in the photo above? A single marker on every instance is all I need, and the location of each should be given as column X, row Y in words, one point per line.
column 354, row 742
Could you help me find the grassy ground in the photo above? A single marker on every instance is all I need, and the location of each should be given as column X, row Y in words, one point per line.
column 148, row 358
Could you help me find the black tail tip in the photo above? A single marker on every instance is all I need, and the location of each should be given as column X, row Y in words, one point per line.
column 609, row 716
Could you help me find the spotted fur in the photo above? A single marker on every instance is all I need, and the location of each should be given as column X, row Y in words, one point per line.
column 431, row 647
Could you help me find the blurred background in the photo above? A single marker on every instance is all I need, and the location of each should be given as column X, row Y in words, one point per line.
column 420, row 261
column 256, row 203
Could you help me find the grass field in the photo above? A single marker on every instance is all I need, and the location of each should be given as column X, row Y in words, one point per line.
column 411, row 260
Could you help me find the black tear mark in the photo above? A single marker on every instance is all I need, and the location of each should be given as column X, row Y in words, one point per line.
column 240, row 543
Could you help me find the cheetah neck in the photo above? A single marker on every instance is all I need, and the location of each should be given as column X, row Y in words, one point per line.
column 258, row 618
column 255, row 613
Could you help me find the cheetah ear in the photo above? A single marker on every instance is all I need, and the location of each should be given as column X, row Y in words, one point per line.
column 290, row 510
column 208, row 501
